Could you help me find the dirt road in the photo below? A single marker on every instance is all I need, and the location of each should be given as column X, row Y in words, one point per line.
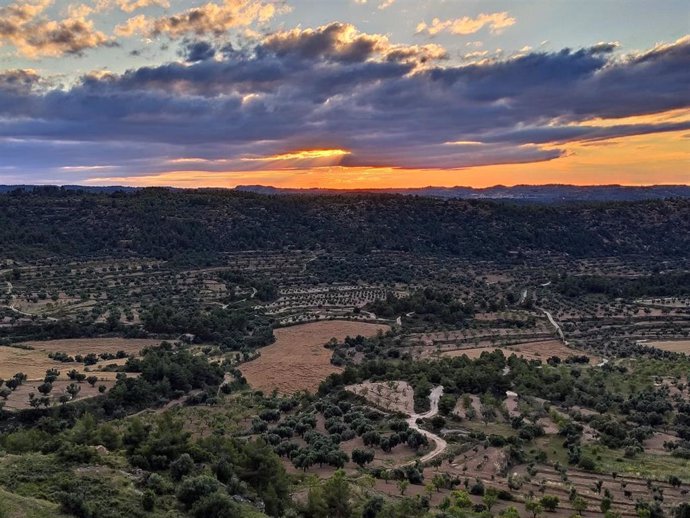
column 559, row 331
column 441, row 445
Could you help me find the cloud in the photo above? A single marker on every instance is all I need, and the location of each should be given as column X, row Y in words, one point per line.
column 374, row 102
column 496, row 22
column 343, row 42
column 198, row 51
column 129, row 6
column 139, row 24
column 383, row 4
column 24, row 26
column 212, row 19
column 19, row 80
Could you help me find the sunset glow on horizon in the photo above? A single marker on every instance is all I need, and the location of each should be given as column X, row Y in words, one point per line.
column 359, row 94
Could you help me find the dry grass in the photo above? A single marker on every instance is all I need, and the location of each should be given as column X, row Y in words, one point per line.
column 19, row 399
column 298, row 360
column 530, row 351
column 94, row 345
column 674, row 346
column 35, row 362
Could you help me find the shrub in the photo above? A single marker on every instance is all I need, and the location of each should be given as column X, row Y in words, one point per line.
column 193, row 489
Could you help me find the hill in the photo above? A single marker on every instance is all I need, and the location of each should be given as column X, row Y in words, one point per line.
column 517, row 193
column 166, row 223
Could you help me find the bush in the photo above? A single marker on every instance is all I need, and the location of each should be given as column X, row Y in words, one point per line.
column 216, row 505
column 587, row 463
column 193, row 489
column 181, row 467
column 362, row 457
column 148, row 500
column 549, row 502
column 477, row 488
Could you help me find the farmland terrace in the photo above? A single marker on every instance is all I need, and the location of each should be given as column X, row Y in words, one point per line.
column 435, row 356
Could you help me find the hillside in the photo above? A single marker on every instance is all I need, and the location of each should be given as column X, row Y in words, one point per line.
column 163, row 223
column 517, row 193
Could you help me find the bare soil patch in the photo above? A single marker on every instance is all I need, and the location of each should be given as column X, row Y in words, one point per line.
column 298, row 360
column 511, row 403
column 655, row 444
column 461, row 411
column 85, row 346
column 395, row 396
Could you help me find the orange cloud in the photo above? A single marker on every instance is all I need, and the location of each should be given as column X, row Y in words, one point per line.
column 496, row 22
column 24, row 26
column 207, row 19
column 306, row 154
column 129, row 6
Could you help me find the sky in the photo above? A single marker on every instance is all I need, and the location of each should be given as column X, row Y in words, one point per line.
column 344, row 93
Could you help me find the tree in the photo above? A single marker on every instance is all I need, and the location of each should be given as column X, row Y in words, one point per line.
column 403, row 484
column 45, row 388
column 331, row 499
column 509, row 512
column 73, row 389
column 371, row 438
column 438, row 422
column 549, row 502
column 194, row 488
column 477, row 488
column 215, row 505
column 372, row 507
column 580, row 505
column 51, row 375
column 92, row 380
column 385, row 476
column 362, row 457
column 534, row 507
column 461, row 499
column 490, row 498
column 181, row 467
column 605, row 504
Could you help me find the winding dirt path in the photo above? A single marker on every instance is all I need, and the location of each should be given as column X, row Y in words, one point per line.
column 441, row 444
column 559, row 331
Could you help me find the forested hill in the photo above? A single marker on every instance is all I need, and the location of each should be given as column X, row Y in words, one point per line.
column 200, row 223
column 517, row 193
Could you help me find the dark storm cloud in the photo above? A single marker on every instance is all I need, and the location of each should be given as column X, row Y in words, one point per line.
column 198, row 51
column 388, row 104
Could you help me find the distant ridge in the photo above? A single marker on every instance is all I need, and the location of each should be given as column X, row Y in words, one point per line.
column 528, row 193
column 85, row 188
column 552, row 193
